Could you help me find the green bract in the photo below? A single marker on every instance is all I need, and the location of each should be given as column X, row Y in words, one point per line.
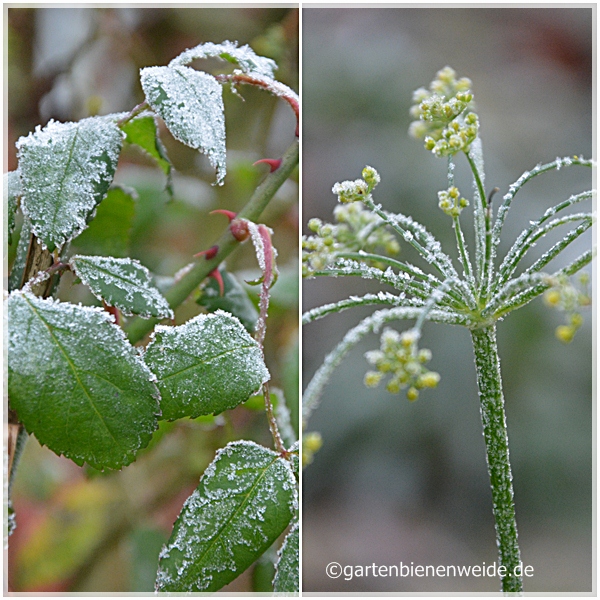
column 245, row 500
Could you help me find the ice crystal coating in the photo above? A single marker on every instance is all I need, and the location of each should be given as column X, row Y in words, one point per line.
column 66, row 169
column 122, row 282
column 287, row 569
column 443, row 114
column 245, row 500
column 77, row 383
column 205, row 366
column 191, row 105
column 243, row 56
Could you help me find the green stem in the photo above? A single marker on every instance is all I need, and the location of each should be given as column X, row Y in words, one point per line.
column 460, row 241
column 494, row 431
column 263, row 194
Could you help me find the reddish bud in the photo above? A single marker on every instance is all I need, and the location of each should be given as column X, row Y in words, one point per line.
column 228, row 213
column 274, row 163
column 239, row 230
column 216, row 274
column 208, row 254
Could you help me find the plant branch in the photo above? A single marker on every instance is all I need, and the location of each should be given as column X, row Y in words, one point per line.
column 496, row 441
column 138, row 327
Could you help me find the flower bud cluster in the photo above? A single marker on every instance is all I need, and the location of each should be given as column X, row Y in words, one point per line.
column 566, row 297
column 451, row 202
column 355, row 228
column 443, row 114
column 311, row 443
column 400, row 357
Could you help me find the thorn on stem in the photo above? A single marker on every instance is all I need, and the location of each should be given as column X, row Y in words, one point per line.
column 208, row 254
column 228, row 213
column 216, row 275
column 274, row 163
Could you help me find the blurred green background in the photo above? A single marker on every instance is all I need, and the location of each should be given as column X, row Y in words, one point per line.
column 396, row 481
column 78, row 530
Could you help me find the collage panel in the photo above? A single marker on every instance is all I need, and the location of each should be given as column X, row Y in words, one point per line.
column 151, row 195
column 420, row 126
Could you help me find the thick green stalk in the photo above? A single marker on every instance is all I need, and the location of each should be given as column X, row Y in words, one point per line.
column 263, row 194
column 496, row 441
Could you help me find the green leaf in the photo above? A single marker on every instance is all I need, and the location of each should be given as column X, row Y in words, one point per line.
column 143, row 132
column 109, row 232
column 287, row 569
column 15, row 279
column 122, row 282
column 234, row 300
column 191, row 105
column 207, row 365
column 76, row 383
column 12, row 194
column 66, row 169
column 244, row 502
column 244, row 57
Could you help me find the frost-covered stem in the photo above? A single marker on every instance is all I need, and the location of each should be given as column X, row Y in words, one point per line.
column 279, row 445
column 460, row 241
column 486, row 243
column 263, row 194
column 496, row 441
column 134, row 112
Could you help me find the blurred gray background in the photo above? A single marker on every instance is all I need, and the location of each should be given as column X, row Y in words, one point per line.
column 396, row 481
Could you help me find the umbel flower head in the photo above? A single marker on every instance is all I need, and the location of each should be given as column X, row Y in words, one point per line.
column 355, row 228
column 445, row 120
column 564, row 296
column 400, row 357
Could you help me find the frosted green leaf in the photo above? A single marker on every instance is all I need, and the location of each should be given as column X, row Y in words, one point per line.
column 15, row 279
column 244, row 57
column 122, row 282
column 12, row 193
column 287, row 569
column 234, row 300
column 109, row 232
column 191, row 105
column 66, row 169
column 143, row 132
column 77, row 383
column 205, row 366
column 245, row 500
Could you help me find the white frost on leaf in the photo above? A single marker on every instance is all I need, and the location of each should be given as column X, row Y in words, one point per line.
column 77, row 383
column 243, row 56
column 122, row 282
column 244, row 501
column 191, row 105
column 66, row 169
column 205, row 366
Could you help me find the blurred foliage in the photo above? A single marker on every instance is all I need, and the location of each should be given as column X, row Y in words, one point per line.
column 80, row 529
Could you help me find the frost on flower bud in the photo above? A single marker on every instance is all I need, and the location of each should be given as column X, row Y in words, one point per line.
column 351, row 191
column 400, row 358
column 371, row 177
column 450, row 201
column 443, row 114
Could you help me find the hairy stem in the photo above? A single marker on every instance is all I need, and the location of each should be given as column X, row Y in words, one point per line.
column 263, row 194
column 494, row 431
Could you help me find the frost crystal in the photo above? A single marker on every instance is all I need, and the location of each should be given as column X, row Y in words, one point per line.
column 66, row 169
column 191, row 105
column 122, row 282
column 245, row 500
column 243, row 56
